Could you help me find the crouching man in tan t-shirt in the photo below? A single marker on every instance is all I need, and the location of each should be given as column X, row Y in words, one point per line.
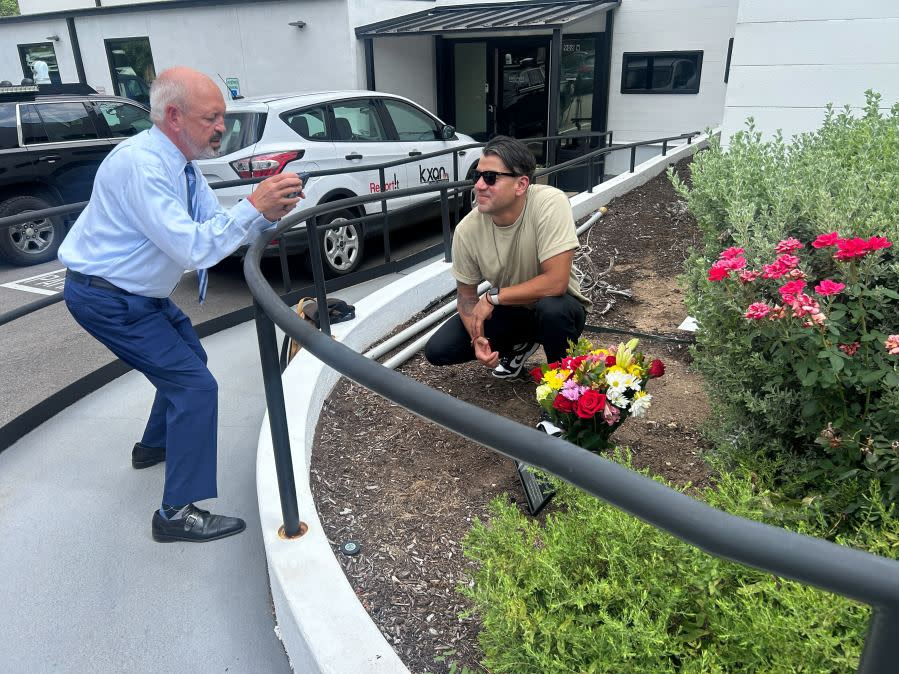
column 522, row 240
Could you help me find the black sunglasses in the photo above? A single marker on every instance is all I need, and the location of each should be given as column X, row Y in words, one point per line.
column 491, row 176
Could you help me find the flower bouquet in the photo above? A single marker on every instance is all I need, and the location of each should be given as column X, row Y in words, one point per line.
column 592, row 391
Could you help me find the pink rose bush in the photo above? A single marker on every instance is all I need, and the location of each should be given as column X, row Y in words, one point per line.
column 592, row 391
column 819, row 311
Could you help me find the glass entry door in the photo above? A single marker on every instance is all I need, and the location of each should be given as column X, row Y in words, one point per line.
column 521, row 89
column 470, row 86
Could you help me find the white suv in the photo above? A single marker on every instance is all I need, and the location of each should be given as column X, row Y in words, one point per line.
column 337, row 129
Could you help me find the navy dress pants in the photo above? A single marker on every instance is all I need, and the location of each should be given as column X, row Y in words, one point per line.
column 551, row 322
column 157, row 339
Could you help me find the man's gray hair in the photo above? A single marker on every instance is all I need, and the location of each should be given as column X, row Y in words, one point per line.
column 514, row 154
column 166, row 91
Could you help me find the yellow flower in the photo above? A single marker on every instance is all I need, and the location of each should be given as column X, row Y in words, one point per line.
column 544, row 391
column 625, row 355
column 616, row 368
column 555, row 378
column 636, row 370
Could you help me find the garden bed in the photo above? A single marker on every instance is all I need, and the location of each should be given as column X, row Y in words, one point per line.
column 408, row 491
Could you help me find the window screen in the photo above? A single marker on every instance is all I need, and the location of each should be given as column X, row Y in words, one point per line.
column 661, row 72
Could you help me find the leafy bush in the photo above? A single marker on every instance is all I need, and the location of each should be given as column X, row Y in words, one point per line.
column 777, row 389
column 596, row 590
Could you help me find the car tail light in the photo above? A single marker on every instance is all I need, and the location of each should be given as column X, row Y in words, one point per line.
column 264, row 165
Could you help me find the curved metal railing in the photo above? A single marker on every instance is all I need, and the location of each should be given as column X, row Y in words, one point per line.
column 852, row 573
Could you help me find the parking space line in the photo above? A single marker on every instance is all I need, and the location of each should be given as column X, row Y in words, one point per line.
column 48, row 283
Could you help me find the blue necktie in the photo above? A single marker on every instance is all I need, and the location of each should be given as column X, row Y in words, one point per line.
column 202, row 274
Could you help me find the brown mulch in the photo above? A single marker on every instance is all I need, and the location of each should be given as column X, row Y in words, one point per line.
column 408, row 491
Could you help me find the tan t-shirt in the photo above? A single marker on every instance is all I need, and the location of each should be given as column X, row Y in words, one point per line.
column 507, row 256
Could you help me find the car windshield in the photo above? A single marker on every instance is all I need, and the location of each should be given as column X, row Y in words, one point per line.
column 242, row 129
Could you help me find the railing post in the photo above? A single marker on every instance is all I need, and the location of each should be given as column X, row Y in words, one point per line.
column 633, row 157
column 285, row 271
column 318, row 276
column 881, row 652
column 447, row 235
column 277, row 419
column 385, row 226
column 664, row 147
column 457, row 194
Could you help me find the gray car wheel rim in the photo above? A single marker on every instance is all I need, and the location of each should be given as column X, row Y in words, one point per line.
column 341, row 246
column 34, row 237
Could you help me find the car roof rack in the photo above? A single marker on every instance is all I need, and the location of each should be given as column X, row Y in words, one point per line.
column 28, row 92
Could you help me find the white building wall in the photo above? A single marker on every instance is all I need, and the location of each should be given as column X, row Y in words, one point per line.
column 26, row 32
column 405, row 66
column 791, row 59
column 41, row 6
column 660, row 25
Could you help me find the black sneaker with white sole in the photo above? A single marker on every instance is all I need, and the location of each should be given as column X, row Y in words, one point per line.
column 510, row 364
column 547, row 426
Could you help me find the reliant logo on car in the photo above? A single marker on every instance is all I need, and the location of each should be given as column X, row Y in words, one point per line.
column 394, row 184
column 432, row 175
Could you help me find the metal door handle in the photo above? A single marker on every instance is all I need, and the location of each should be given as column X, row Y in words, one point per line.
column 354, row 155
column 50, row 158
column 414, row 153
column 491, row 108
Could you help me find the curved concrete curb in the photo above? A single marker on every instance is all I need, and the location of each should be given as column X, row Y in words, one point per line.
column 324, row 628
column 321, row 622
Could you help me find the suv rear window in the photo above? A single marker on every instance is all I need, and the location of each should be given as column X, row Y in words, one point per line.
column 242, row 129
column 9, row 136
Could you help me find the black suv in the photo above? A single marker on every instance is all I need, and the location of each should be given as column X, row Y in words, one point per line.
column 52, row 140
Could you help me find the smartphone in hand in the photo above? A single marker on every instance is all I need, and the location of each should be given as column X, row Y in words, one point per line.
column 305, row 178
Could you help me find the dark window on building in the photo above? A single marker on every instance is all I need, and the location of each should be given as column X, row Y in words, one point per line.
column 32, row 56
column 577, row 84
column 730, row 51
column 131, row 67
column 671, row 72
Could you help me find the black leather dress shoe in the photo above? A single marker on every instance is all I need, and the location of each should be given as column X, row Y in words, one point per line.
column 197, row 526
column 144, row 457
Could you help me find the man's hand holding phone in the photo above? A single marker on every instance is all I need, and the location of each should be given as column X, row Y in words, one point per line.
column 277, row 196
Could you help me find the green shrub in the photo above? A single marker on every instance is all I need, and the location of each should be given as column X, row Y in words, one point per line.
column 596, row 590
column 777, row 387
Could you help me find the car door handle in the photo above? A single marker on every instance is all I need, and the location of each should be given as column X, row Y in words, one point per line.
column 354, row 155
column 414, row 153
column 49, row 158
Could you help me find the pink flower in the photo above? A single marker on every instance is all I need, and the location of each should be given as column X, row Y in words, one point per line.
column 719, row 270
column 777, row 313
column 780, row 267
column 828, row 287
column 736, row 263
column 757, row 311
column 849, row 349
column 788, row 291
column 611, row 414
column 826, row 240
column 730, row 253
column 572, row 390
column 848, row 249
column 815, row 319
column 878, row 242
column 892, row 345
column 749, row 275
column 788, row 245
column 797, row 273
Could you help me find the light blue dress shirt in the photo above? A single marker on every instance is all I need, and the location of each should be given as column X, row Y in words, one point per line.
column 136, row 231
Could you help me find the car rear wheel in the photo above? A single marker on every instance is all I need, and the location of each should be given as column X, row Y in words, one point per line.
column 342, row 245
column 34, row 241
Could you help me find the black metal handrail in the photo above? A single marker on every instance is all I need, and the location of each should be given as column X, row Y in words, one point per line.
column 852, row 573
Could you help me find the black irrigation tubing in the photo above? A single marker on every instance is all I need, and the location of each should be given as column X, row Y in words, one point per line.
column 635, row 333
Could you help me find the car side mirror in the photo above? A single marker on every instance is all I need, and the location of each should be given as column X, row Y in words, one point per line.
column 448, row 132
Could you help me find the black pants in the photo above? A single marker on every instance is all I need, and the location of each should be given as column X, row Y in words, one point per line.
column 552, row 322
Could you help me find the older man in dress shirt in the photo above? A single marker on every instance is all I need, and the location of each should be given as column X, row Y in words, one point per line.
column 151, row 217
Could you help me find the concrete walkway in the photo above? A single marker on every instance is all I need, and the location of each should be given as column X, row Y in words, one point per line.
column 84, row 588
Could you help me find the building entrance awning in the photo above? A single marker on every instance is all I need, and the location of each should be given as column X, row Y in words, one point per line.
column 494, row 17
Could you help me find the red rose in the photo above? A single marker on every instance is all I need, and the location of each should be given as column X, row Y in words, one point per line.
column 656, row 368
column 563, row 404
column 537, row 374
column 610, row 361
column 590, row 403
